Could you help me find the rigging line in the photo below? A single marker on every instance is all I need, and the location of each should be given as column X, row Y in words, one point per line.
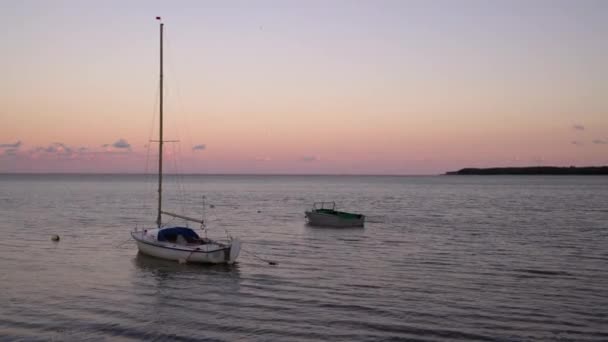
column 174, row 178
column 189, row 256
column 209, row 220
column 221, row 225
column 180, row 102
column 204, row 213
column 147, row 179
column 182, row 176
column 177, row 154
column 178, row 180
column 154, row 112
column 215, row 217
column 185, row 120
column 180, row 183
column 122, row 243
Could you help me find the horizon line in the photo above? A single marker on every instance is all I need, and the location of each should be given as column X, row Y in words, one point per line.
column 218, row 174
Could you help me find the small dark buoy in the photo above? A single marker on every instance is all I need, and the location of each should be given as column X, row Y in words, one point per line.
column 55, row 237
column 211, row 206
column 259, row 211
column 272, row 263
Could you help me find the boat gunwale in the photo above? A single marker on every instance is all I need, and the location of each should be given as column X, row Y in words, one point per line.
column 337, row 213
column 177, row 248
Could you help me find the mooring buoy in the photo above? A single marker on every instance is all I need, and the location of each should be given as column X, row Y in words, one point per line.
column 54, row 237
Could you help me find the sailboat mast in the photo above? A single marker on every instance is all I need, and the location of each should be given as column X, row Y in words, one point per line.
column 160, row 131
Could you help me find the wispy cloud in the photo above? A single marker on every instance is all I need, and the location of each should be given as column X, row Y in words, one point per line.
column 15, row 145
column 310, row 159
column 59, row 156
column 199, row 147
column 263, row 159
column 121, row 144
column 600, row 141
column 10, row 152
column 63, row 151
column 578, row 127
column 59, row 149
column 577, row 143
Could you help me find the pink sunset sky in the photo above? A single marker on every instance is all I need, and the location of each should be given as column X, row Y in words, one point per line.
column 346, row 87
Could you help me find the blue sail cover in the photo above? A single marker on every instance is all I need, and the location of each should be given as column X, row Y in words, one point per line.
column 170, row 234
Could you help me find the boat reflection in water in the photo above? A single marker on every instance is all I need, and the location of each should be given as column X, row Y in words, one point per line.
column 155, row 265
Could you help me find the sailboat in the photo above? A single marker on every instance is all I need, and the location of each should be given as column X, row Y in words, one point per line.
column 179, row 243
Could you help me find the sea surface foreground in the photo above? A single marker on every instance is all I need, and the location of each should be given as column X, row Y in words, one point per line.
column 487, row 258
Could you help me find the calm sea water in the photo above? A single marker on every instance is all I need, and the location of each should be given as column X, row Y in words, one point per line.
column 440, row 259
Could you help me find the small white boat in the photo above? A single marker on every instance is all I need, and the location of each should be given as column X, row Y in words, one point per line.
column 325, row 214
column 180, row 243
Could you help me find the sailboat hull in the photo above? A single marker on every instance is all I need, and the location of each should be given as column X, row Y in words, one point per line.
column 210, row 253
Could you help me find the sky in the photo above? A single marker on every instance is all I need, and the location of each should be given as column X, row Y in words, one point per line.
column 303, row 87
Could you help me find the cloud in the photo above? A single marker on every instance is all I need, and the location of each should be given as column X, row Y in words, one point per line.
column 578, row 127
column 310, row 159
column 577, row 143
column 600, row 141
column 121, row 143
column 10, row 152
column 119, row 146
column 263, row 159
column 15, row 145
column 58, row 148
column 60, row 155
column 199, row 147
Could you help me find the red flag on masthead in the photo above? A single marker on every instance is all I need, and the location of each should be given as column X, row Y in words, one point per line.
column 157, row 18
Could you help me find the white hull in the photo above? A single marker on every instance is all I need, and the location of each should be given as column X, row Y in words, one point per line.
column 328, row 220
column 209, row 253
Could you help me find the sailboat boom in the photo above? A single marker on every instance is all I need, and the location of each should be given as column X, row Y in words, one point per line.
column 183, row 217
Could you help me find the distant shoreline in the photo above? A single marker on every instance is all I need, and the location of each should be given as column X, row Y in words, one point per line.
column 533, row 170
column 529, row 170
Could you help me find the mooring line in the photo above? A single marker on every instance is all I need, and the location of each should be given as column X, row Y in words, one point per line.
column 270, row 262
